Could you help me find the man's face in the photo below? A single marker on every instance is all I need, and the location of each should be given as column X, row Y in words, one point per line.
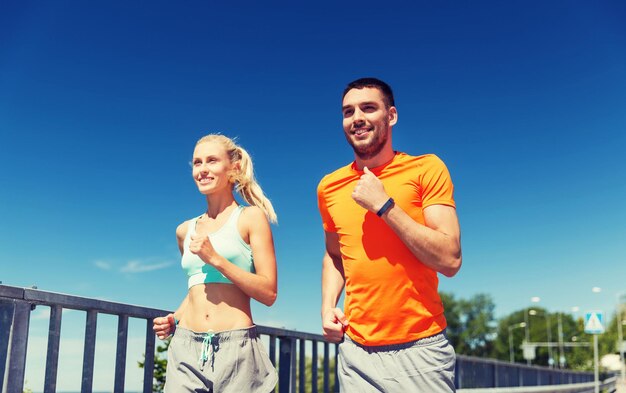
column 366, row 121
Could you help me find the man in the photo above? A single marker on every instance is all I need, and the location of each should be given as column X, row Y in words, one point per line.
column 390, row 224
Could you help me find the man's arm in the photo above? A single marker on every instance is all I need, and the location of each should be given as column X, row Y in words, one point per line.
column 437, row 244
column 333, row 320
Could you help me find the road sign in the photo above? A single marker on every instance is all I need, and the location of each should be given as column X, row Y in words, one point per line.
column 529, row 351
column 594, row 322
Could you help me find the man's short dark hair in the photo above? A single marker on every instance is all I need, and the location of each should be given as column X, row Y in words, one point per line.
column 375, row 83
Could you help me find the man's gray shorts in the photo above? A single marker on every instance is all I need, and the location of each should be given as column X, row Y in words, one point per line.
column 425, row 365
column 233, row 361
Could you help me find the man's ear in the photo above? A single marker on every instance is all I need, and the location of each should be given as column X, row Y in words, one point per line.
column 393, row 115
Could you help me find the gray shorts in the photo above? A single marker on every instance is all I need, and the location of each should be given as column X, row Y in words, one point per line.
column 425, row 365
column 231, row 361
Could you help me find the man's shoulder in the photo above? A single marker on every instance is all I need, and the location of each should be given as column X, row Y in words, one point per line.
column 335, row 175
column 422, row 158
column 422, row 162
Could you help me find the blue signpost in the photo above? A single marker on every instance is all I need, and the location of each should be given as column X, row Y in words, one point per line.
column 594, row 324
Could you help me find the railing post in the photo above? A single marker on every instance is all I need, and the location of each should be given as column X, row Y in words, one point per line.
column 326, row 367
column 120, row 355
column 272, row 349
column 148, row 366
column 336, row 387
column 89, row 351
column 52, row 356
column 6, row 321
column 495, row 375
column 458, row 373
column 301, row 366
column 314, row 367
column 19, row 342
column 287, row 365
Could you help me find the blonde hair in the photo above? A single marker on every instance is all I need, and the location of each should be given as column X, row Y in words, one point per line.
column 243, row 178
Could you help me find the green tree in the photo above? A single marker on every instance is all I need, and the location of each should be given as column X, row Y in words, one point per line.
column 471, row 323
column 608, row 342
column 577, row 357
column 320, row 374
column 453, row 318
column 160, row 365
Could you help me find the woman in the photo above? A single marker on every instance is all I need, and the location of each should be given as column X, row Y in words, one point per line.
column 228, row 255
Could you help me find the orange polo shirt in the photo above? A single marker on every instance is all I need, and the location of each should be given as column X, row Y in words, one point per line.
column 390, row 296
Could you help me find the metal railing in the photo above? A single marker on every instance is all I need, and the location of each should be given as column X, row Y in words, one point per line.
column 16, row 305
column 294, row 374
column 474, row 372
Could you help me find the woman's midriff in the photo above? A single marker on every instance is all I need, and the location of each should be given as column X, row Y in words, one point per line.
column 216, row 307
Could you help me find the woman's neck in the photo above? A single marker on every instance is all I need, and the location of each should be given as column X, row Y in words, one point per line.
column 216, row 204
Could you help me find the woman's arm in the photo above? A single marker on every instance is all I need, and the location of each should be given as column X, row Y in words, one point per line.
column 260, row 285
column 165, row 326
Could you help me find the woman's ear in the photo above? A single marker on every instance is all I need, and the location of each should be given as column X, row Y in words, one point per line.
column 235, row 172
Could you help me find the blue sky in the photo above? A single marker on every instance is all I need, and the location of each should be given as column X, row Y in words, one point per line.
column 101, row 104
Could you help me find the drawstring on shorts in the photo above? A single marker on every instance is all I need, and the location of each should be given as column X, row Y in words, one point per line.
column 204, row 355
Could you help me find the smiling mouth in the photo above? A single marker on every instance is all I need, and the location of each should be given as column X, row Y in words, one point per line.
column 205, row 180
column 361, row 131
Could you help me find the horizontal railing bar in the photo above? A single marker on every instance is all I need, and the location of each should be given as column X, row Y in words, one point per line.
column 36, row 296
column 85, row 304
column 504, row 363
column 564, row 388
column 11, row 292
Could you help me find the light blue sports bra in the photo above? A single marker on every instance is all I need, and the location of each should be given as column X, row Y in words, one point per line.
column 227, row 242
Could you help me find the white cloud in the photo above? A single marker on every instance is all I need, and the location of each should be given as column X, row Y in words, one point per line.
column 102, row 265
column 136, row 266
column 40, row 313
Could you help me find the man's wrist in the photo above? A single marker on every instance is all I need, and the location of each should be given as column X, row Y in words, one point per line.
column 325, row 310
column 385, row 207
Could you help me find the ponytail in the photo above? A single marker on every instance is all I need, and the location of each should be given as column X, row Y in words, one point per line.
column 249, row 188
column 243, row 178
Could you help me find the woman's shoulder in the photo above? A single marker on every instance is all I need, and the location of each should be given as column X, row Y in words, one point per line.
column 181, row 229
column 251, row 215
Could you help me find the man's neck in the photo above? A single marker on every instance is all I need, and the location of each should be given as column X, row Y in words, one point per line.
column 385, row 156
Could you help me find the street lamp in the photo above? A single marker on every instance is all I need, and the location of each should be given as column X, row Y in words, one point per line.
column 514, row 326
column 620, row 334
column 549, row 334
column 560, row 333
column 534, row 299
column 596, row 371
column 562, row 360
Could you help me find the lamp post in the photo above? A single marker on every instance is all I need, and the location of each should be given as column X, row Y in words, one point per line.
column 596, row 372
column 549, row 334
column 514, row 326
column 526, row 333
column 534, row 299
column 561, row 352
column 620, row 334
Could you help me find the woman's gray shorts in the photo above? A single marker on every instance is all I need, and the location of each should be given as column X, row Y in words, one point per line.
column 231, row 361
column 425, row 365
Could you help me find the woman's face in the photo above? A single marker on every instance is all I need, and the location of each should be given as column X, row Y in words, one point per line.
column 211, row 167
